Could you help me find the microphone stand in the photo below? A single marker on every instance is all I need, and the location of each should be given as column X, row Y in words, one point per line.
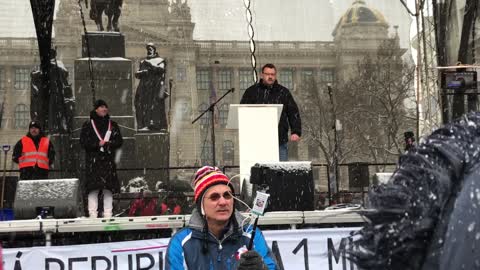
column 211, row 109
column 170, row 86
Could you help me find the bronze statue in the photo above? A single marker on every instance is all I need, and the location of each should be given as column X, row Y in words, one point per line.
column 52, row 106
column 151, row 92
column 112, row 8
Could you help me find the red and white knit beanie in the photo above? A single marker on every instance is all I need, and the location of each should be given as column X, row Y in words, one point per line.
column 206, row 177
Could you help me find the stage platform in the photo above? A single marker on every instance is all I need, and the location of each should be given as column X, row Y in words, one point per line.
column 174, row 222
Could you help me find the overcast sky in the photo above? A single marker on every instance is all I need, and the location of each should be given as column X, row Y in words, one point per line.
column 304, row 20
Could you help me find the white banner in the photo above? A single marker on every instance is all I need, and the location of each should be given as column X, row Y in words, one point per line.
column 294, row 249
column 311, row 249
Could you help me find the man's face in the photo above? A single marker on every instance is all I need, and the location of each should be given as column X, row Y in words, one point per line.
column 102, row 111
column 218, row 209
column 269, row 75
column 34, row 131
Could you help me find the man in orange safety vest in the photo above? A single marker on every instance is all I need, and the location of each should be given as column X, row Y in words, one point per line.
column 34, row 153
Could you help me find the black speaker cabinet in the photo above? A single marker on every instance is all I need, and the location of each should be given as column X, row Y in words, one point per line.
column 59, row 198
column 10, row 189
column 290, row 185
column 358, row 175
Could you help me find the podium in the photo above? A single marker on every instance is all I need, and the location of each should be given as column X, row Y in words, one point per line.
column 257, row 126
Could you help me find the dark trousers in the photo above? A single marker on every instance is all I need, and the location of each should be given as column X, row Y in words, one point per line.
column 33, row 173
column 283, row 152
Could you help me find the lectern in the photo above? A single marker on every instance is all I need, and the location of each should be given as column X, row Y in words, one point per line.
column 257, row 126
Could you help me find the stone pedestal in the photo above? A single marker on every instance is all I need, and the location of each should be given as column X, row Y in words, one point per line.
column 152, row 151
column 63, row 161
column 104, row 44
column 113, row 83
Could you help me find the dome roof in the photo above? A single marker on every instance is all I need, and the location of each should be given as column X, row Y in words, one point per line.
column 360, row 13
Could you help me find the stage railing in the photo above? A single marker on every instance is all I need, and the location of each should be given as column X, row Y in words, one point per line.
column 50, row 227
column 324, row 197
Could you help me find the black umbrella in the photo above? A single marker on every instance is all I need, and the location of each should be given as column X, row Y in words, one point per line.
column 43, row 11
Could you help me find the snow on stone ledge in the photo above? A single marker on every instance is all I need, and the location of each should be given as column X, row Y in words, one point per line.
column 292, row 166
column 104, row 59
column 51, row 189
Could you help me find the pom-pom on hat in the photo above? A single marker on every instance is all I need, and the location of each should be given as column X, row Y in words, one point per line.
column 206, row 177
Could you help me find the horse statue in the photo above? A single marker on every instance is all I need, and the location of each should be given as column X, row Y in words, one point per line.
column 112, row 8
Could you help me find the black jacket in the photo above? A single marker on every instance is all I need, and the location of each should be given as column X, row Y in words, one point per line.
column 100, row 168
column 276, row 94
column 426, row 216
column 30, row 173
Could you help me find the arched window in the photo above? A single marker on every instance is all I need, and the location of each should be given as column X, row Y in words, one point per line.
column 203, row 79
column 22, row 78
column 206, row 154
column 228, row 152
column 22, row 116
column 224, row 79
column 223, row 114
column 286, row 78
column 2, row 79
column 205, row 120
column 246, row 79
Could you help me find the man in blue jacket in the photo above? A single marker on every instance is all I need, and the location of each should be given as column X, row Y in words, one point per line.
column 216, row 237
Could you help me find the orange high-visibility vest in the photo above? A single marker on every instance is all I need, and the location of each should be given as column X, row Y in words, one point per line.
column 31, row 156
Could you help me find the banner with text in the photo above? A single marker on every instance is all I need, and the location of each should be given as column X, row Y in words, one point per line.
column 294, row 249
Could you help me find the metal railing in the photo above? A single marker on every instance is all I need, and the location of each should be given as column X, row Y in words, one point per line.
column 273, row 45
column 18, row 43
column 324, row 197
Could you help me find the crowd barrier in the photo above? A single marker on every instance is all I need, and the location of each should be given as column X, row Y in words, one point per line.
column 291, row 219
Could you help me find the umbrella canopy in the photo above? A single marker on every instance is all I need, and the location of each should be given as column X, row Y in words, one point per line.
column 43, row 11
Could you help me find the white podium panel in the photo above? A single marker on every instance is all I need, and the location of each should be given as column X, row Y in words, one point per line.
column 257, row 135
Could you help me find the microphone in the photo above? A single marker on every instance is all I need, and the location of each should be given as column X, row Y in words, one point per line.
column 259, row 205
column 232, row 89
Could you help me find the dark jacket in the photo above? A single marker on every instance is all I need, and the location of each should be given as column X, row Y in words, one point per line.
column 30, row 173
column 276, row 94
column 100, row 168
column 185, row 247
column 426, row 216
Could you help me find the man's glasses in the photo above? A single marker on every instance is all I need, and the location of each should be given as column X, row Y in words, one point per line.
column 227, row 195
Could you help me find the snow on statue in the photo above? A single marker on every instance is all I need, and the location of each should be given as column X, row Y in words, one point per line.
column 151, row 92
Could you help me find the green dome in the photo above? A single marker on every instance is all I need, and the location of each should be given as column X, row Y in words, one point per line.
column 360, row 13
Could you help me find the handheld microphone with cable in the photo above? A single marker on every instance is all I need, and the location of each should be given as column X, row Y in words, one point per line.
column 259, row 205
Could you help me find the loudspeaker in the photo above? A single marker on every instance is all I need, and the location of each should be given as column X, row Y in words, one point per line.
column 358, row 175
column 290, row 185
column 58, row 198
column 10, row 189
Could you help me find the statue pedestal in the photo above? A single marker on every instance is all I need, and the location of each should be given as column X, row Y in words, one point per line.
column 152, row 151
column 104, row 44
column 113, row 83
column 63, row 149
